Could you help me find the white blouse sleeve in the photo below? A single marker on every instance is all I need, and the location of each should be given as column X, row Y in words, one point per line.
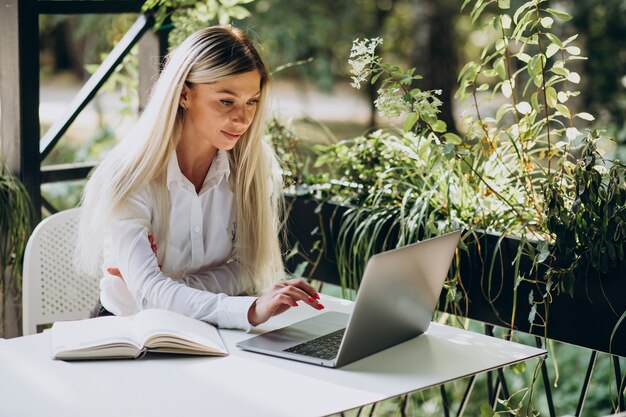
column 132, row 253
column 224, row 279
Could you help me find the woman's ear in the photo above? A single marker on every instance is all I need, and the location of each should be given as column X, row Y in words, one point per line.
column 183, row 97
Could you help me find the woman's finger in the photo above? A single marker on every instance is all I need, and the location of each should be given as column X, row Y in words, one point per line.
column 304, row 286
column 299, row 295
column 116, row 272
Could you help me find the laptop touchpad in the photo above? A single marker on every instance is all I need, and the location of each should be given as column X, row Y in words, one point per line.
column 302, row 331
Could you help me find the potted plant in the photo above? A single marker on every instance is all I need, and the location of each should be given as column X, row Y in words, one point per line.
column 15, row 217
column 544, row 212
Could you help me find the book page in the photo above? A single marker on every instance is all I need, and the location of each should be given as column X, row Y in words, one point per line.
column 92, row 337
column 167, row 331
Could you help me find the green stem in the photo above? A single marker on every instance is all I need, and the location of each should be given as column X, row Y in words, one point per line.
column 543, row 89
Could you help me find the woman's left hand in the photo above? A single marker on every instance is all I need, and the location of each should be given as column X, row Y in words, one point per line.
column 280, row 298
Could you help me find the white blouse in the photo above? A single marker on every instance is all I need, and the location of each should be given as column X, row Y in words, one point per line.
column 199, row 276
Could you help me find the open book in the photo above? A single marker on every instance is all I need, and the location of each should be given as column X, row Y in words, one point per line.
column 151, row 330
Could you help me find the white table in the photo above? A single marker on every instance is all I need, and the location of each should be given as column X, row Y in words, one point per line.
column 242, row 384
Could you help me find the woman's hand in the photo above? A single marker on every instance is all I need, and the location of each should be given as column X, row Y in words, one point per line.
column 282, row 296
column 116, row 271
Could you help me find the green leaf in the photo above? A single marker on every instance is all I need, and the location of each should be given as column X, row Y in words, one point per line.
column 439, row 126
column 532, row 314
column 507, row 88
column 499, row 67
column 560, row 71
column 546, row 22
column 299, row 271
column 534, row 100
column 504, row 4
column 554, row 40
column 551, row 96
column 487, row 411
column 543, row 250
column 559, row 13
column 409, row 121
column 521, row 10
column 502, row 111
column 571, row 38
column 573, row 77
column 506, row 21
column 617, row 325
column 585, row 116
column 552, row 49
column 518, row 368
column 573, row 50
column 453, row 138
column 534, row 66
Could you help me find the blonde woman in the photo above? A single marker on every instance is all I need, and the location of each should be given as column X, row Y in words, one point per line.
column 183, row 214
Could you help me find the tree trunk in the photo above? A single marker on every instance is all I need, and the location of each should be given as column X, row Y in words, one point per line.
column 434, row 53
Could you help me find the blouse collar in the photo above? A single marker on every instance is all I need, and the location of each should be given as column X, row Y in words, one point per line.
column 219, row 170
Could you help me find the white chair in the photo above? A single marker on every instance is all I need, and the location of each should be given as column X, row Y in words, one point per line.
column 52, row 289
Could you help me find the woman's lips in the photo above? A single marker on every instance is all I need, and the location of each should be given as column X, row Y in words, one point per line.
column 232, row 136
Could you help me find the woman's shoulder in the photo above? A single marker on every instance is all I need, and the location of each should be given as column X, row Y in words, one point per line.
column 143, row 201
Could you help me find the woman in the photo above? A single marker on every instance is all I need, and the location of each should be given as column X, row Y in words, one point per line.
column 183, row 213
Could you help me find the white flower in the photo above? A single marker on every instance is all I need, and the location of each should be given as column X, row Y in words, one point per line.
column 362, row 59
column 425, row 104
column 390, row 103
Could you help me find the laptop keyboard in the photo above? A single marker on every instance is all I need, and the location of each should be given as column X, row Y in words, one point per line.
column 323, row 347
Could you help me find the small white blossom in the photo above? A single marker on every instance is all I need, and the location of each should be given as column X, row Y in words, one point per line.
column 362, row 59
column 390, row 103
column 425, row 104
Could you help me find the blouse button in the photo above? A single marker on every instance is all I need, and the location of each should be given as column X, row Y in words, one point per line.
column 196, row 229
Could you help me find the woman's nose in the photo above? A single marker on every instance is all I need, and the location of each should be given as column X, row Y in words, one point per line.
column 242, row 115
column 239, row 115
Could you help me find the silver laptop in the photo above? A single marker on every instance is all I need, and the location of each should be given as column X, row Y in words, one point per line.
column 396, row 301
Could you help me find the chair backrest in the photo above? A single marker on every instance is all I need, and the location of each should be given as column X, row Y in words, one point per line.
column 52, row 289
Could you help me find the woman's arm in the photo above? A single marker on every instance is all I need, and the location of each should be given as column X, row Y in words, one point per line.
column 131, row 253
column 224, row 279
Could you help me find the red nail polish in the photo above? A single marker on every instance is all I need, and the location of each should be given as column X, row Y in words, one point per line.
column 320, row 306
column 295, row 304
column 317, row 296
column 311, row 300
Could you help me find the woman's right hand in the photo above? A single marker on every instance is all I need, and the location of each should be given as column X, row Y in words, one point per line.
column 280, row 298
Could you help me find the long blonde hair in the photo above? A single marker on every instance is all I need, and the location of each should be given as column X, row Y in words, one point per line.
column 207, row 56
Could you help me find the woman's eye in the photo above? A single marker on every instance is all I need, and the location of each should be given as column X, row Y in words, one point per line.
column 253, row 102
column 227, row 102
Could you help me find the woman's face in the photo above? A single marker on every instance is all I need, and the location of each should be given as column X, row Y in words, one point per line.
column 219, row 113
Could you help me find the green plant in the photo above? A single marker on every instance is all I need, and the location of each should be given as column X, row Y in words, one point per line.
column 188, row 16
column 587, row 217
column 15, row 217
column 511, row 173
column 525, row 170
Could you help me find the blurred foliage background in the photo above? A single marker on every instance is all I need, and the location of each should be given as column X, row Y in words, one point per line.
column 430, row 35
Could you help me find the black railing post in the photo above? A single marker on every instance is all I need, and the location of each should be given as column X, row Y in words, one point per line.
column 19, row 95
column 97, row 79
